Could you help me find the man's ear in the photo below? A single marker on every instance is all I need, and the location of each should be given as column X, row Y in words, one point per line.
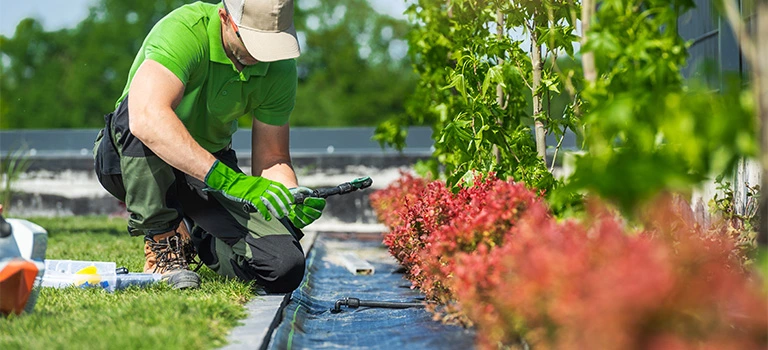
column 223, row 16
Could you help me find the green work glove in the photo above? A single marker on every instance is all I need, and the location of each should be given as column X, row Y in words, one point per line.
column 267, row 196
column 306, row 213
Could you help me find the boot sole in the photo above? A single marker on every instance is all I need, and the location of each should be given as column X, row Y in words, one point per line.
column 182, row 279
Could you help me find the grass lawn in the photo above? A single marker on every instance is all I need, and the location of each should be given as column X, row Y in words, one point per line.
column 155, row 317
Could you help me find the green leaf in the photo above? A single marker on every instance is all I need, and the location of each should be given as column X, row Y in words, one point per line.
column 459, row 83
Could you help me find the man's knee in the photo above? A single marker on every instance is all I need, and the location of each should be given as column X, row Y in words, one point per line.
column 285, row 272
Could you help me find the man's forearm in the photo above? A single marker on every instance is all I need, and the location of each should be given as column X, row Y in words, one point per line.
column 280, row 171
column 271, row 157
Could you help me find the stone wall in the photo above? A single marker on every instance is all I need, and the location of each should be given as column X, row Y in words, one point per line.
column 59, row 187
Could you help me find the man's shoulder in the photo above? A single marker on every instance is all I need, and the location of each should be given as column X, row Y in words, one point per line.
column 282, row 68
column 186, row 27
column 192, row 13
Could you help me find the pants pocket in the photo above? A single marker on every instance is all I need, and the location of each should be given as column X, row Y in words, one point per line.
column 107, row 160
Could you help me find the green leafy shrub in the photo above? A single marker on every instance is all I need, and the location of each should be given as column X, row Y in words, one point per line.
column 645, row 130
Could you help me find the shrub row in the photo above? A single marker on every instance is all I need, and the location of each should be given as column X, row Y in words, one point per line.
column 495, row 257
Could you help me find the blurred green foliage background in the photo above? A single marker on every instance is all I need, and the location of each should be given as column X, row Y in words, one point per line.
column 354, row 69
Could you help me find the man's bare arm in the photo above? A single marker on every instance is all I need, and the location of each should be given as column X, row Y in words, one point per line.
column 155, row 93
column 270, row 154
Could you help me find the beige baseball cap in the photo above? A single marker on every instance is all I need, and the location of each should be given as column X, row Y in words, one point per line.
column 266, row 27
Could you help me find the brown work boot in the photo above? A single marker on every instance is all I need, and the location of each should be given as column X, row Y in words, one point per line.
column 165, row 254
column 187, row 246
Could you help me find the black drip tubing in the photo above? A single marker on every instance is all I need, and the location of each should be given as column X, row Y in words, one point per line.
column 354, row 303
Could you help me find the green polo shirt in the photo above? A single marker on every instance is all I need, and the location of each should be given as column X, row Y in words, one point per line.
column 188, row 42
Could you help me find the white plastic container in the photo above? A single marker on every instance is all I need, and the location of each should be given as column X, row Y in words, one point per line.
column 66, row 273
column 31, row 239
column 137, row 280
column 23, row 242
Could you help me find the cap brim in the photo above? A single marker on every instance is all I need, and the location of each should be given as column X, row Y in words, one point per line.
column 271, row 46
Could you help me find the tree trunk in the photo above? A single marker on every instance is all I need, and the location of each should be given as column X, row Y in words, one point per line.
column 538, row 65
column 499, row 89
column 760, row 70
column 587, row 58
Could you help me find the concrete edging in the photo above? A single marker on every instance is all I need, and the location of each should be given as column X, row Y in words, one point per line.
column 264, row 314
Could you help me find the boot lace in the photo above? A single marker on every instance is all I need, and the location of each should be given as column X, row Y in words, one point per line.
column 169, row 253
column 190, row 255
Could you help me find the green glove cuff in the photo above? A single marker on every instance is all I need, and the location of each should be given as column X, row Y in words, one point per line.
column 219, row 176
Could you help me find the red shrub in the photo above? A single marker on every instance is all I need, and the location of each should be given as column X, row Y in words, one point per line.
column 434, row 224
column 673, row 221
column 425, row 215
column 486, row 214
column 567, row 285
column 389, row 202
column 515, row 271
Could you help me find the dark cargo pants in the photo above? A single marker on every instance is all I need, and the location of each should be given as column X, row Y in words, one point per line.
column 228, row 240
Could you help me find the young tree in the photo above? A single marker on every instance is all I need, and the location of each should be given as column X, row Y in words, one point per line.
column 475, row 81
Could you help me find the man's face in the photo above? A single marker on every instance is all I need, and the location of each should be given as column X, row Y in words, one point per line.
column 241, row 53
column 234, row 44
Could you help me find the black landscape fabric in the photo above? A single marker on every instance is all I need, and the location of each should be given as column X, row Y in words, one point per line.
column 308, row 323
